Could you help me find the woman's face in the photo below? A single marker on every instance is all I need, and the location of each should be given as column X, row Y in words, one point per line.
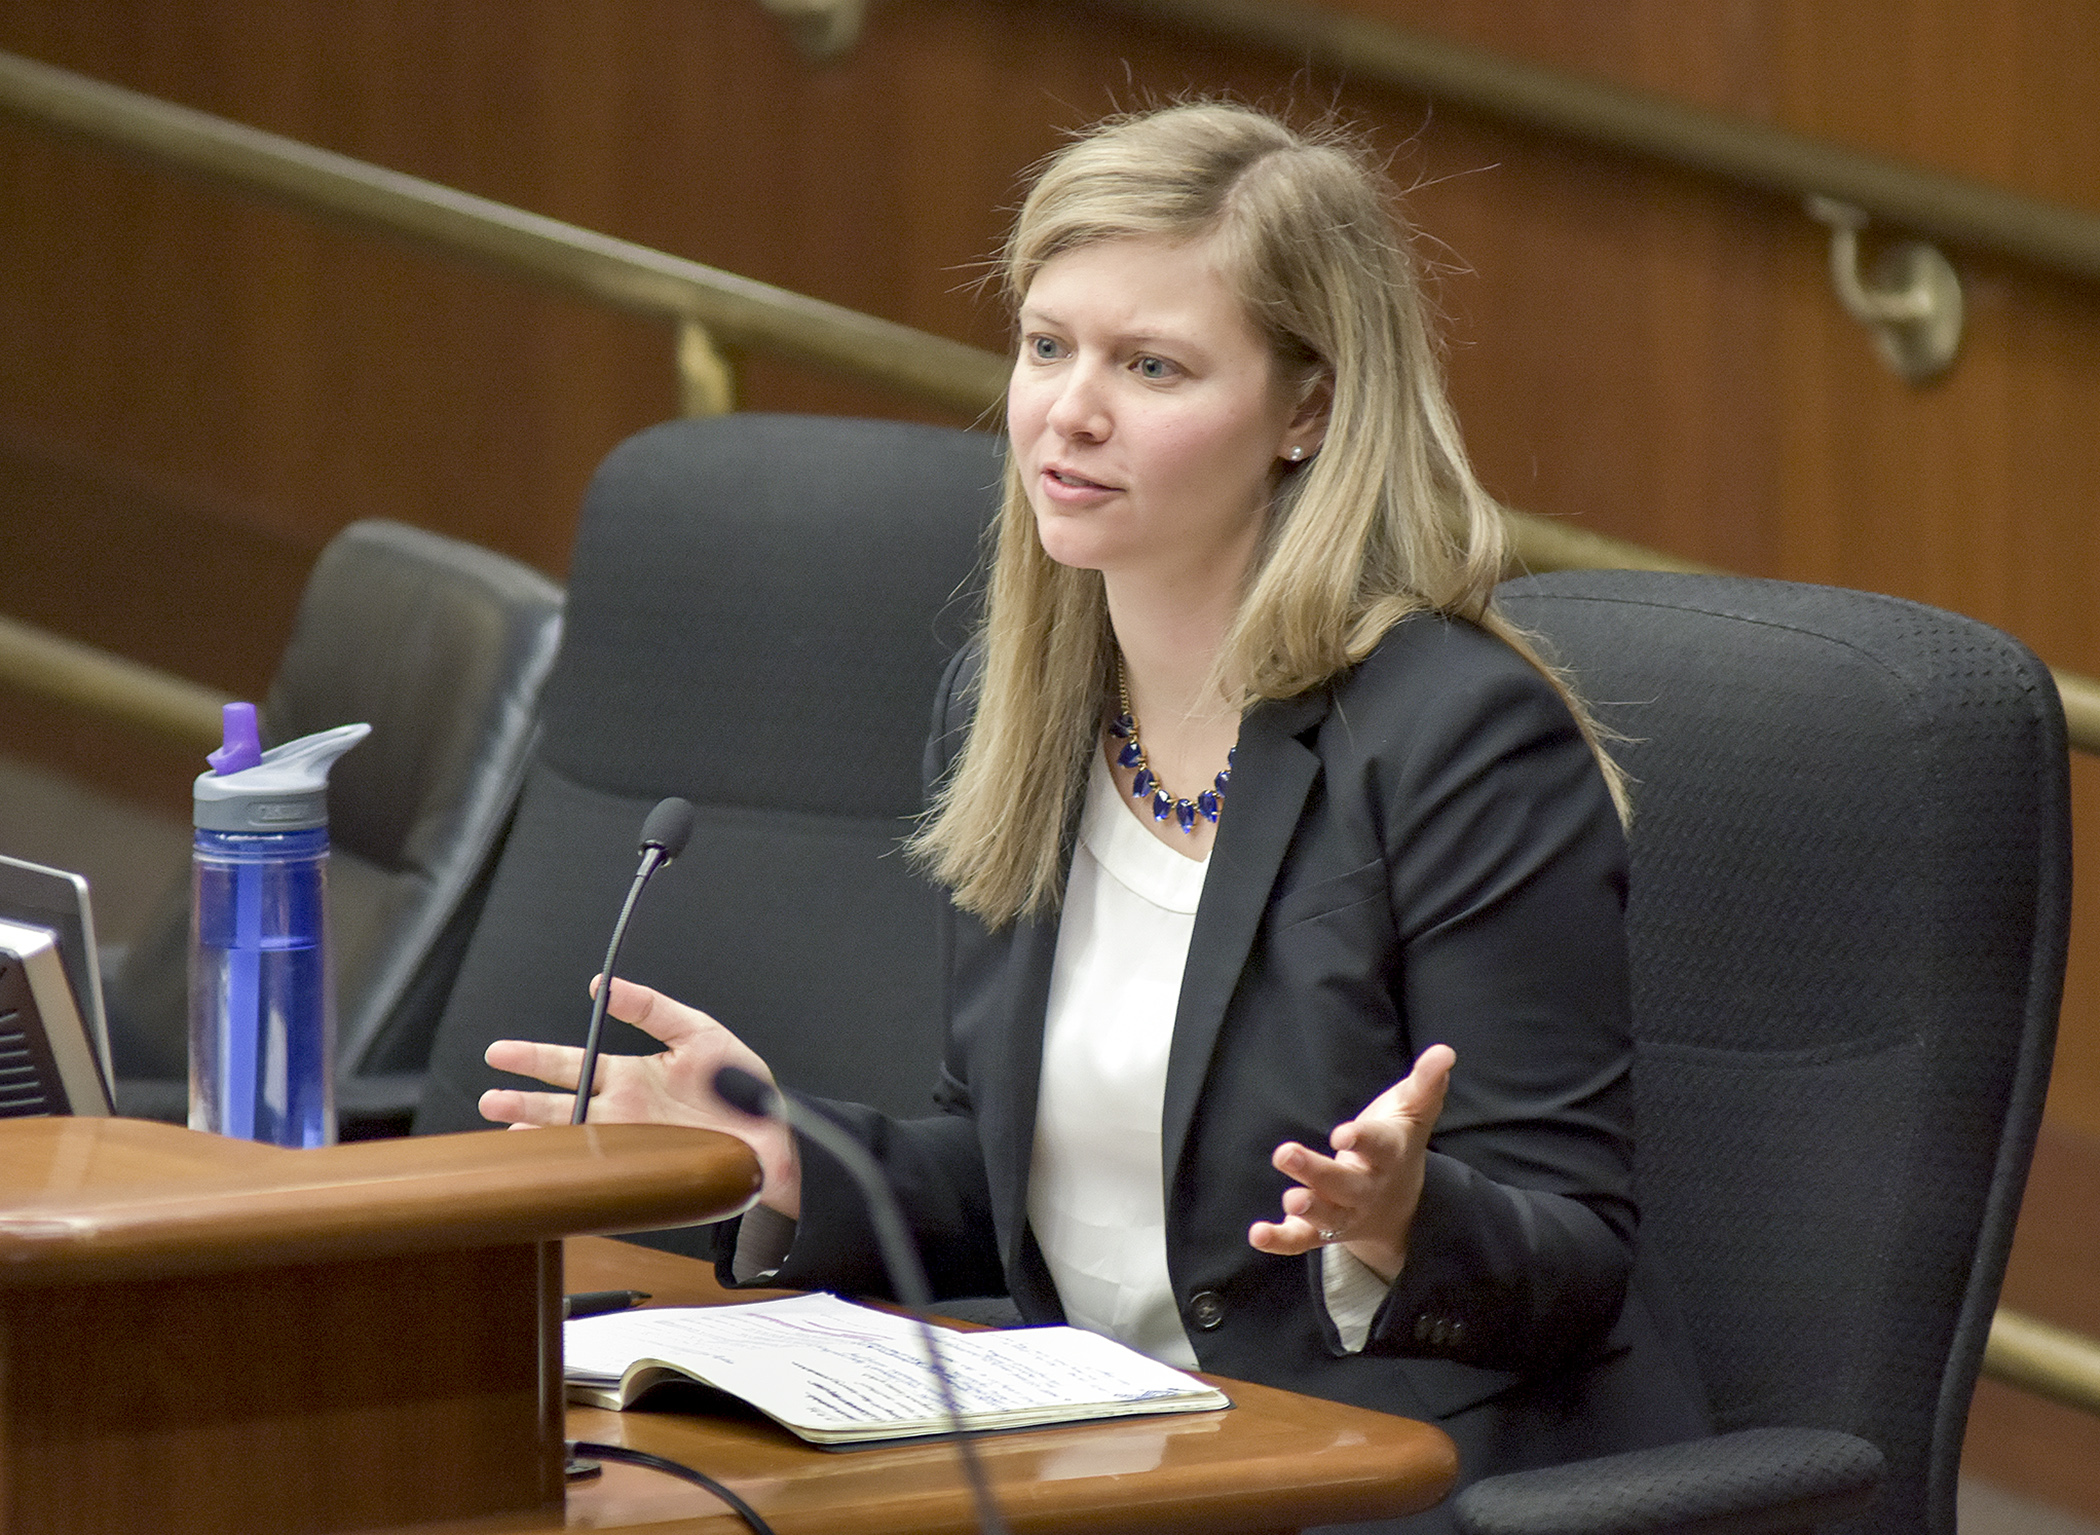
column 1146, row 415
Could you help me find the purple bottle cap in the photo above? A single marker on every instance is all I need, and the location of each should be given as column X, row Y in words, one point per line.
column 243, row 743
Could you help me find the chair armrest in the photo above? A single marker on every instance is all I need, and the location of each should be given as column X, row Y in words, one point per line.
column 377, row 1106
column 166, row 1099
column 1757, row 1481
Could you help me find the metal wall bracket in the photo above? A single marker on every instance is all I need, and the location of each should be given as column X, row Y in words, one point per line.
column 823, row 29
column 706, row 381
column 1914, row 304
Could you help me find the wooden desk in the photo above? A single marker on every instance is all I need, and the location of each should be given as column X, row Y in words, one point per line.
column 1275, row 1461
column 201, row 1336
column 206, row 1337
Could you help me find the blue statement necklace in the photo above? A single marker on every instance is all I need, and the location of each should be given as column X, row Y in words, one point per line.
column 1147, row 786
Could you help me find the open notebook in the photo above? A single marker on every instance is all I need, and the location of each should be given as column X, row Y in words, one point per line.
column 840, row 1374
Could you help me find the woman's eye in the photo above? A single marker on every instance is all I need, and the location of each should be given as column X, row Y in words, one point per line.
column 1042, row 348
column 1154, row 368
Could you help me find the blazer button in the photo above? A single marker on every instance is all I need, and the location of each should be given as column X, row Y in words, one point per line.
column 1207, row 1309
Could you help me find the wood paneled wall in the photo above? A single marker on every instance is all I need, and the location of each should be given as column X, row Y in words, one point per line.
column 195, row 393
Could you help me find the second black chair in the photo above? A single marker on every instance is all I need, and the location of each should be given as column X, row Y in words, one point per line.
column 760, row 608
column 1847, row 922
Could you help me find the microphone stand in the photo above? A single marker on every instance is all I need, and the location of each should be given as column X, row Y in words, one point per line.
column 664, row 835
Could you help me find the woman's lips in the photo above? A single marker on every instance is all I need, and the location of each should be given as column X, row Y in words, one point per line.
column 1067, row 485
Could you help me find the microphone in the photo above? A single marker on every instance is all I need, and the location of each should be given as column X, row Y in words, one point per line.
column 668, row 829
column 664, row 836
column 900, row 1257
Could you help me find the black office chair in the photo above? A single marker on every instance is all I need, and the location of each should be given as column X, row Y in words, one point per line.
column 1849, row 901
column 760, row 608
column 443, row 647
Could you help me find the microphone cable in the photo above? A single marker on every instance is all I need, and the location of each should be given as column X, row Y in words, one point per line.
column 669, row 1467
column 741, row 1090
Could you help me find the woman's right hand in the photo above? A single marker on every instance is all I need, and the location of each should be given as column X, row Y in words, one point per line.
column 673, row 1087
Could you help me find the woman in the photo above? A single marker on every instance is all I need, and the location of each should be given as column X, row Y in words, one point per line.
column 1264, row 833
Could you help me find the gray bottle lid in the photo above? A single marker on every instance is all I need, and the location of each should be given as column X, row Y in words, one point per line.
column 287, row 790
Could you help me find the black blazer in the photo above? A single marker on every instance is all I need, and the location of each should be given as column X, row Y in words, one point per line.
column 1422, row 851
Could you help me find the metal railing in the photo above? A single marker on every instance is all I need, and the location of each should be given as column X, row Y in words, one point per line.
column 94, row 681
column 2049, row 1361
column 707, row 305
column 1961, row 211
column 703, row 303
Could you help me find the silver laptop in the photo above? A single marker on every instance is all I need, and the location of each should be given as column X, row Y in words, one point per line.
column 54, row 1041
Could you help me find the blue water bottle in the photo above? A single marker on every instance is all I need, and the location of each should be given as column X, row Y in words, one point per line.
column 262, row 1003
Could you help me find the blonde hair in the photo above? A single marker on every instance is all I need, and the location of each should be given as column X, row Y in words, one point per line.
column 1385, row 520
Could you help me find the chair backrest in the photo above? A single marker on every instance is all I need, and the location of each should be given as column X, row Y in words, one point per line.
column 1848, row 912
column 443, row 647
column 760, row 609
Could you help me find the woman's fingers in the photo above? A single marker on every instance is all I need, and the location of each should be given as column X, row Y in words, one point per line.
column 1395, row 1126
column 1307, row 1209
column 1364, row 1195
column 1415, row 1100
column 1332, row 1181
column 670, row 1022
column 509, row 1106
column 673, row 1086
column 1300, row 1232
column 665, row 1019
column 556, row 1065
column 1285, row 1239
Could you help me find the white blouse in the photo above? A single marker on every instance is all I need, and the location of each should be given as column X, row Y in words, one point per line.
column 1096, row 1185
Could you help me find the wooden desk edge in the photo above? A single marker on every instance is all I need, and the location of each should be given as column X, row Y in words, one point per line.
column 84, row 1199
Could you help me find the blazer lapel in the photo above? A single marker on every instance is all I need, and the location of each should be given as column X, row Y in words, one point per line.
column 1007, row 1074
column 1008, row 1093
column 1273, row 770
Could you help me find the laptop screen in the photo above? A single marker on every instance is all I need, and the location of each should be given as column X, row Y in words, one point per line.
column 54, row 1042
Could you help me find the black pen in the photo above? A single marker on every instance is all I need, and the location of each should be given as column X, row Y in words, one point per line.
column 598, row 1302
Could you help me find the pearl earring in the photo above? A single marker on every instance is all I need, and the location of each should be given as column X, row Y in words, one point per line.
column 1296, row 453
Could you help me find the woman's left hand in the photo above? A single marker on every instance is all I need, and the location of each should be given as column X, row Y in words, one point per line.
column 1363, row 1196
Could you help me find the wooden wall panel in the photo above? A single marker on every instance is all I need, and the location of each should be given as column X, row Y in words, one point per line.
column 2018, row 1440
column 1651, row 353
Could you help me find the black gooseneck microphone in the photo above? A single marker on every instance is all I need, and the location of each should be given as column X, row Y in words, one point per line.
column 741, row 1090
column 664, row 835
